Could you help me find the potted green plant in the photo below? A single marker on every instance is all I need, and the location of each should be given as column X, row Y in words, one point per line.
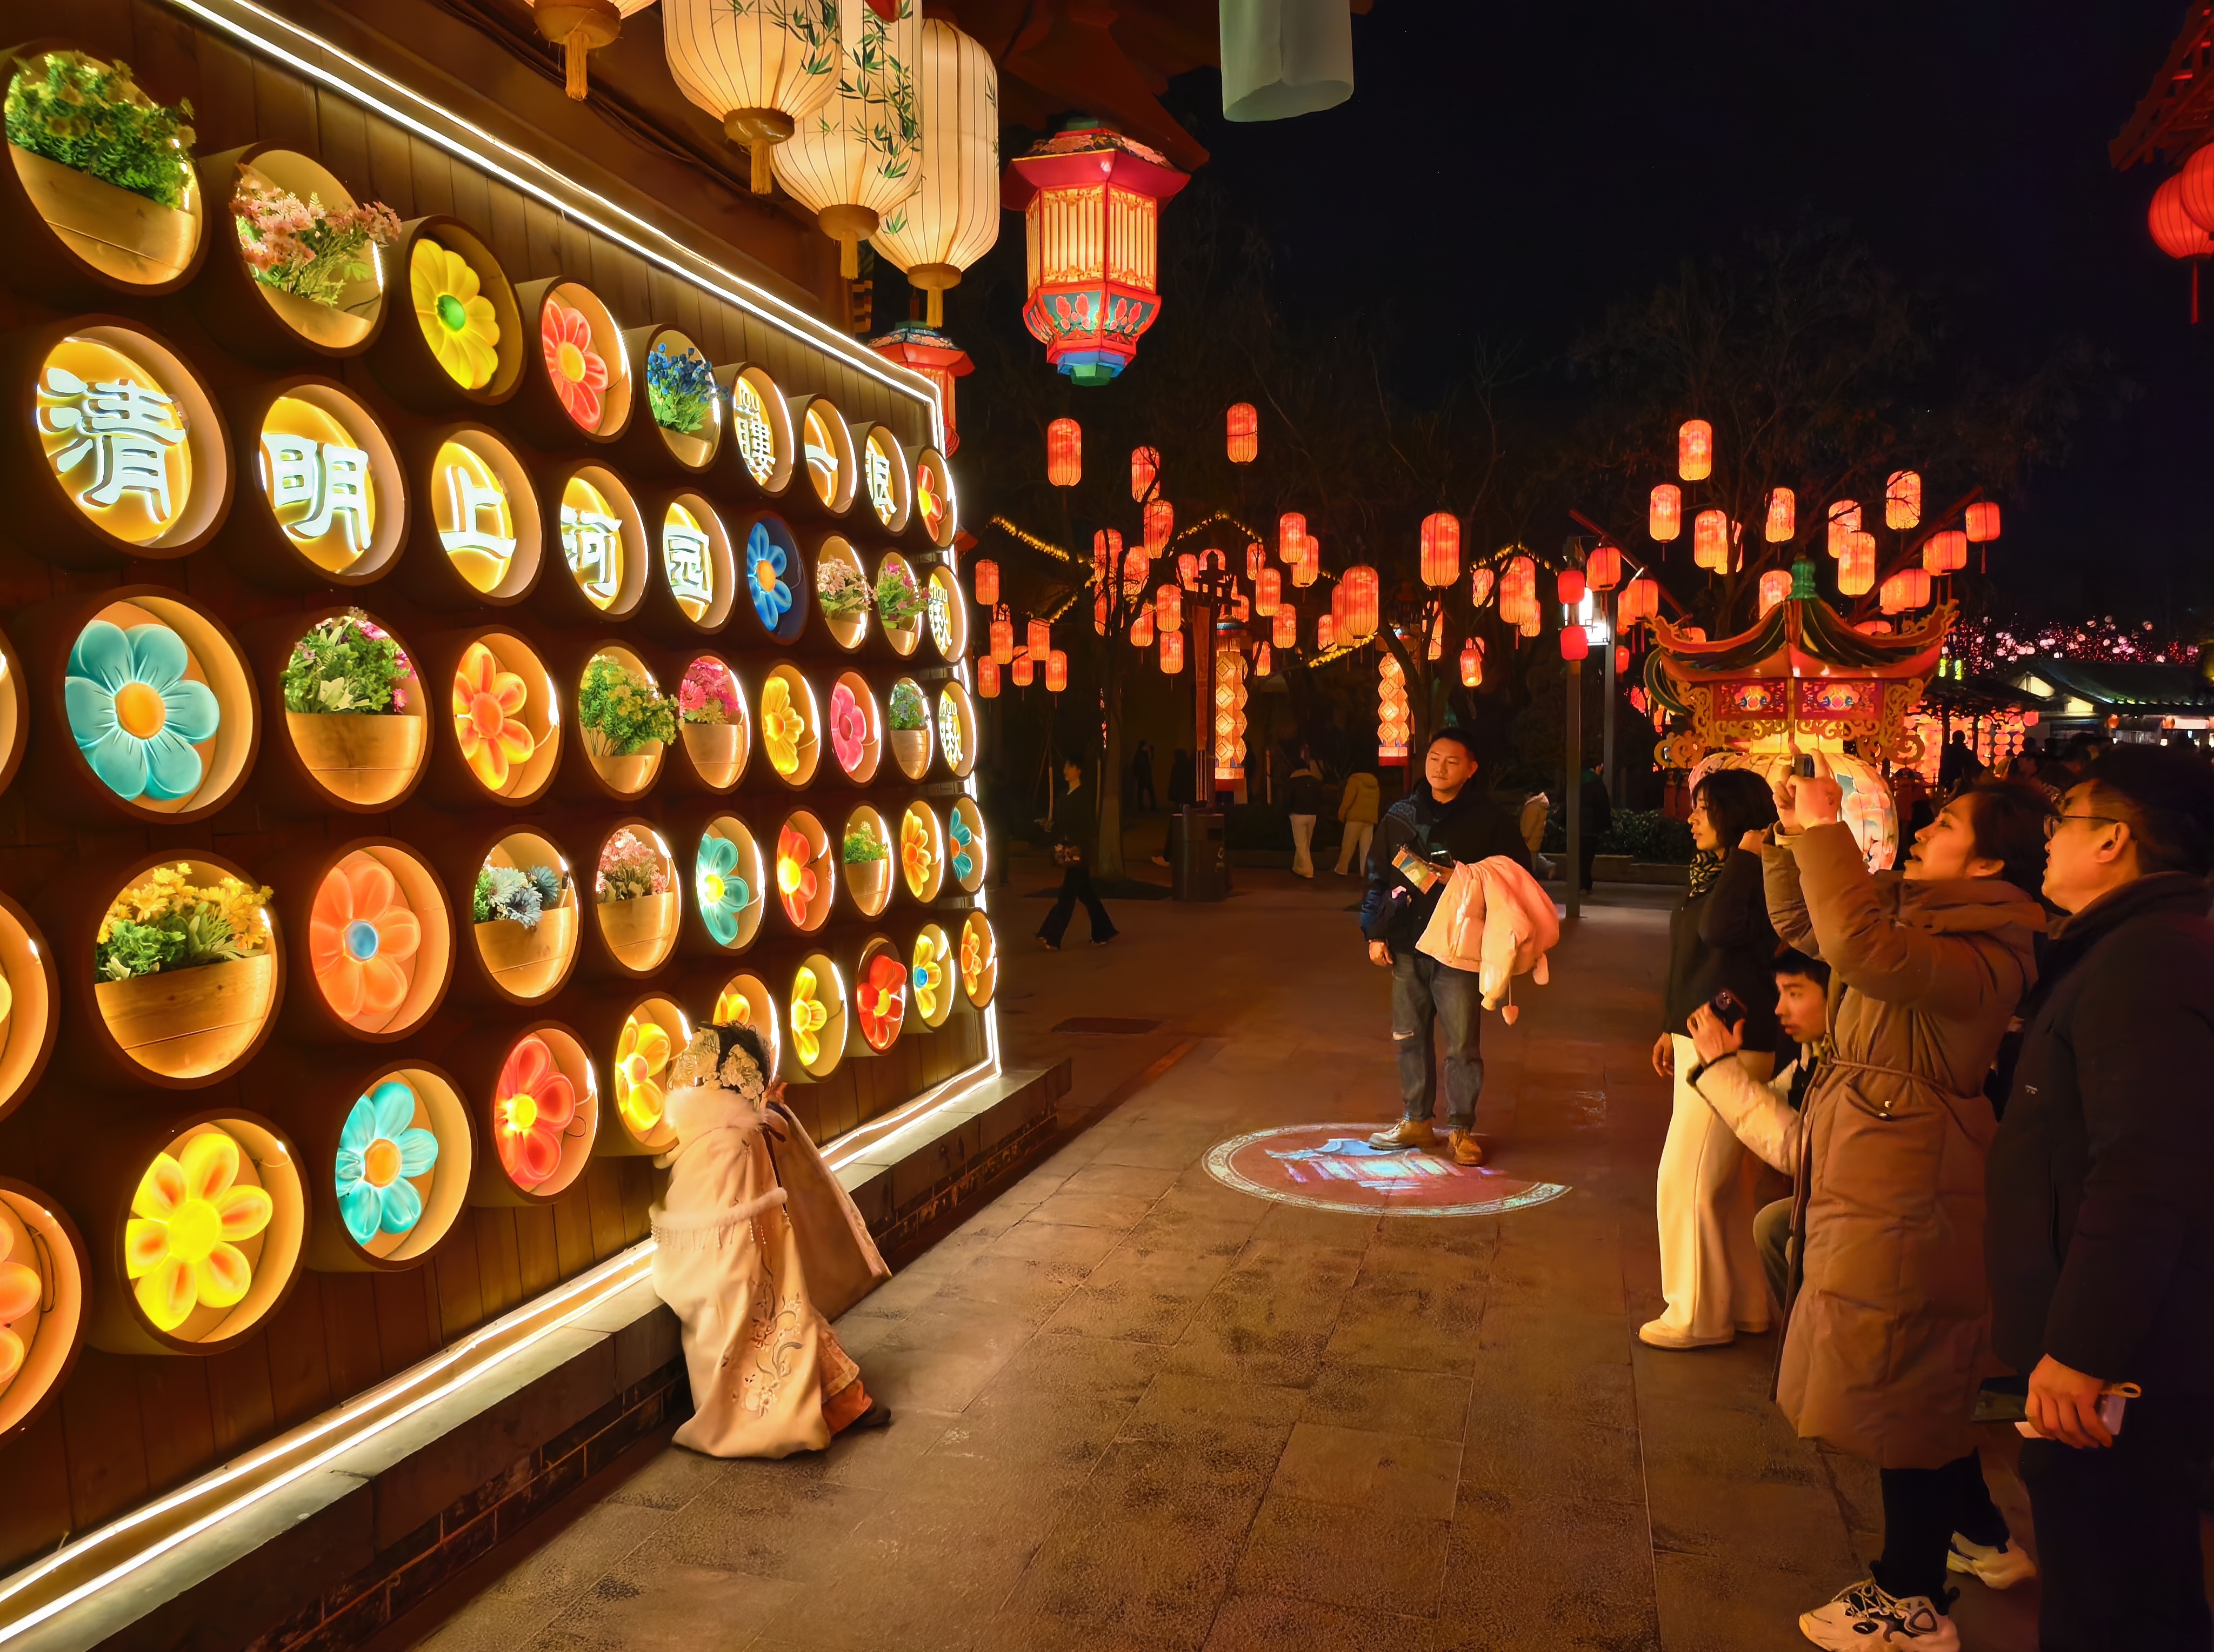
column 347, row 690
column 908, row 716
column 899, row 603
column 108, row 168
column 680, row 389
column 868, row 866
column 313, row 262
column 626, row 722
column 638, row 907
column 526, row 925
column 183, row 973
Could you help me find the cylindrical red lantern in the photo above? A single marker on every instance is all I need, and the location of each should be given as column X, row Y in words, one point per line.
column 1905, row 591
column 1188, row 571
column 1160, row 522
column 1171, row 652
column 1325, row 631
column 1603, row 567
column 1291, row 535
column 1710, row 540
column 1775, row 587
column 988, row 678
column 1481, row 584
column 1472, row 663
column 1902, row 501
column 1574, row 645
column 1107, row 546
column 1641, row 600
column 1568, row 583
column 1064, row 452
column 1360, row 585
column 1284, row 632
column 1621, row 660
column 1003, row 636
column 1268, row 593
column 1263, row 659
column 1244, row 433
column 1306, row 570
column 1856, row 567
column 1056, row 670
column 1024, row 670
column 1168, row 608
column 1137, row 571
column 988, row 583
column 1946, row 553
column 1663, row 516
column 1844, row 518
column 1141, row 628
column 1441, row 549
column 1695, row 453
column 1039, row 639
column 1145, row 471
column 1257, row 558
column 2174, row 231
column 1782, row 515
column 1983, row 523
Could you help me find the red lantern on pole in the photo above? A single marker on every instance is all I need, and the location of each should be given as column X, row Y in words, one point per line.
column 1171, row 652
column 988, row 583
column 1268, row 593
column 1710, row 541
column 1480, row 585
column 1024, row 670
column 1775, row 587
column 1574, row 645
column 1145, row 471
column 1472, row 663
column 1569, row 585
column 1003, row 636
column 1285, row 631
column 1441, row 549
column 1603, row 567
column 1244, row 426
column 988, row 678
column 1325, row 631
column 1064, row 452
column 1663, row 516
column 1983, row 523
column 1782, row 515
column 2175, row 231
column 1160, row 522
column 1621, row 660
column 1056, row 670
column 1695, row 453
column 1641, row 600
column 1946, row 553
column 1039, row 639
column 1168, row 608
column 1902, row 501
column 1358, row 585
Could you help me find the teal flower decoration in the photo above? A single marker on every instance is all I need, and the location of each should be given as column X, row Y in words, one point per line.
column 964, row 854
column 378, row 1150
column 723, row 894
column 134, row 715
column 765, row 572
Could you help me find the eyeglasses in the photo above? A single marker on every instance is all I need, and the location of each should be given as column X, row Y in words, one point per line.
column 2054, row 822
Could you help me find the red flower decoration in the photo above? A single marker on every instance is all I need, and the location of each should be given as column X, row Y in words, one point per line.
column 577, row 374
column 880, row 995
column 795, row 875
column 536, row 1105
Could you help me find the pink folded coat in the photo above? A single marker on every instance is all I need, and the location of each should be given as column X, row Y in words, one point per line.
column 1496, row 920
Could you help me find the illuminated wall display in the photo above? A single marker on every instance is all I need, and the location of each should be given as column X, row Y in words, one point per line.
column 476, row 522
column 115, row 435
column 457, row 320
column 592, row 542
column 933, row 497
column 762, row 427
column 884, row 471
column 318, row 482
column 688, row 561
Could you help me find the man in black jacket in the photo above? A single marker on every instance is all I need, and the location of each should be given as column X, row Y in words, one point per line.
column 1446, row 821
column 2100, row 1226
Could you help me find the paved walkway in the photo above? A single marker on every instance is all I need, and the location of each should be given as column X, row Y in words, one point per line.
column 1138, row 1410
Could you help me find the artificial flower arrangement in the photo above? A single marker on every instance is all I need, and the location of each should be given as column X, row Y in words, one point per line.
column 515, row 894
column 863, row 846
column 92, row 118
column 303, row 248
column 345, row 664
column 680, row 389
column 840, row 590
column 168, row 923
column 577, row 372
column 630, row 870
column 619, row 710
column 706, row 695
column 906, row 714
column 898, row 602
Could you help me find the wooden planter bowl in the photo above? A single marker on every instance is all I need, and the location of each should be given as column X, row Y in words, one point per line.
column 833, row 991
column 593, row 773
column 823, row 863
column 767, row 428
column 869, row 883
column 957, row 729
column 906, row 639
column 965, row 811
column 562, row 598
column 807, row 749
column 360, row 763
column 868, row 752
column 691, row 588
column 32, row 1013
column 402, row 355
column 301, row 880
column 693, row 827
column 271, row 551
column 73, row 238
column 857, row 1041
column 37, row 1234
column 275, row 328
column 319, row 1096
column 720, row 992
column 107, row 1178
column 472, row 495
column 936, row 528
column 477, row 1061
column 635, row 937
column 925, row 889
column 503, row 962
column 847, row 631
column 886, row 491
column 635, row 1125
column 912, row 749
column 715, row 753
column 451, row 777
column 940, row 951
column 648, row 449
column 977, row 986
column 827, row 479
column 537, row 410
column 752, row 541
column 63, row 779
column 945, row 613
column 47, row 517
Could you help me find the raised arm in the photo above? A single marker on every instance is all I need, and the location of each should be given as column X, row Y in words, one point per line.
column 1876, row 954
column 1787, row 902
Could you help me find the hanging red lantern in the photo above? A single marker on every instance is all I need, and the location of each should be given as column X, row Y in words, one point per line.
column 1775, row 587
column 1782, row 515
column 1844, row 518
column 1024, row 670
column 1306, row 570
column 988, row 678
column 1663, row 516
column 1438, row 634
column 1856, row 567
column 1137, row 571
column 1905, row 591
column 1040, row 638
column 1257, row 558
column 1168, row 607
column 1268, row 593
column 1325, row 631
column 1359, row 583
column 1441, row 549
column 1141, row 628
column 1244, row 425
column 1171, row 652
column 1603, row 567
column 1291, row 535
column 1472, row 663
column 2175, row 231
column 1188, row 571
column 1064, row 452
column 1263, row 659
column 1284, row 631
column 1568, row 584
column 1695, row 452
column 1160, row 522
column 1056, row 670
column 988, row 583
column 1621, row 660
column 1946, row 553
column 1107, row 547
column 1641, row 600
column 1983, row 523
column 1145, row 471
column 1574, row 645
column 1003, row 636
column 1481, row 584
column 1902, row 501
column 1710, row 541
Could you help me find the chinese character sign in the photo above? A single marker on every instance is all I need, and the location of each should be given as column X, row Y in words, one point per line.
column 591, row 539
column 751, row 430
column 115, row 439
column 318, row 483
column 820, row 447
column 476, row 525
column 880, row 467
column 685, row 559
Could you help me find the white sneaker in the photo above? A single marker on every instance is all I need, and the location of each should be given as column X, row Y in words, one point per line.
column 1999, row 1569
column 1863, row 1618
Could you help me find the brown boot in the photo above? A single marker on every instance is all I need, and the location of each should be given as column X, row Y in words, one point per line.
column 1466, row 1150
column 1408, row 1132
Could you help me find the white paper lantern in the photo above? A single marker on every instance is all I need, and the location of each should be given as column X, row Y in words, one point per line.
column 953, row 218
column 859, row 154
column 758, row 69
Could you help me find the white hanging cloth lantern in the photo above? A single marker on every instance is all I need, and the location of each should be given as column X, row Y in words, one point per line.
column 1285, row 58
column 758, row 69
column 953, row 218
column 580, row 28
column 860, row 153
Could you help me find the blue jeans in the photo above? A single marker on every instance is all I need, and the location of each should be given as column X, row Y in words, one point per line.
column 1425, row 992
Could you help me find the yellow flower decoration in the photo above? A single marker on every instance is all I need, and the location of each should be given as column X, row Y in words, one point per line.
column 808, row 1016
column 181, row 1243
column 976, row 957
column 641, row 1059
column 733, row 1008
column 917, row 855
column 170, row 890
column 783, row 726
column 928, row 974
column 457, row 320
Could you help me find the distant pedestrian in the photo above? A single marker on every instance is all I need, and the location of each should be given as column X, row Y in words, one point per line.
column 1075, row 839
column 1142, row 795
column 1303, row 801
column 1357, row 808
column 1597, row 821
column 1958, row 766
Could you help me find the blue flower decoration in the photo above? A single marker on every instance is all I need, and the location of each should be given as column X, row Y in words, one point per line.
column 378, row 1150
column 964, row 862
column 765, row 571
column 723, row 894
column 135, row 716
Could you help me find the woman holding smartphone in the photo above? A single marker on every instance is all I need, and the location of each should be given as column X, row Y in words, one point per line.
column 1719, row 943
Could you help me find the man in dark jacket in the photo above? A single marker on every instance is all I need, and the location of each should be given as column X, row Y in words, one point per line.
column 1446, row 821
column 2100, row 1229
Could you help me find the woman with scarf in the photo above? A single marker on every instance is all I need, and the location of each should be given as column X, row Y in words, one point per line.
column 1719, row 939
column 757, row 1249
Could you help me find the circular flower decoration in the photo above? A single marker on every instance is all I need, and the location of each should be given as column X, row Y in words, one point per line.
column 808, row 1016
column 722, row 893
column 641, row 1059
column 457, row 320
column 928, row 499
column 976, row 958
column 928, row 976
column 180, row 1245
column 965, row 851
column 795, row 875
column 486, row 700
column 578, row 374
column 19, row 1293
column 361, row 938
column 917, row 855
column 380, row 1151
column 135, row 715
column 783, row 726
column 880, row 995
column 765, row 572
column 733, row 1008
column 536, row 1105
column 849, row 728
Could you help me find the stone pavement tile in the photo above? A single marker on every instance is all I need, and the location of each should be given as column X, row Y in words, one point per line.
column 1057, row 1241
column 941, row 1355
column 1433, row 1405
column 1717, row 1603
column 1473, row 1239
column 859, row 1330
column 1018, row 1286
column 772, row 1521
column 1120, row 1211
column 1244, row 1336
column 1196, row 1193
column 1269, row 1623
column 1521, row 1377
column 1536, row 1454
column 1398, row 1475
column 1161, row 1147
column 666, row 1607
column 1138, row 1298
column 931, row 1594
column 533, row 1596
column 1858, row 1489
column 881, row 1457
column 1063, row 1366
column 1566, row 1576
column 1177, row 1229
column 672, row 1480
column 1252, row 1422
column 1342, row 1557
column 1414, row 1327
column 1349, row 1230
column 1141, row 1181
column 1719, row 1481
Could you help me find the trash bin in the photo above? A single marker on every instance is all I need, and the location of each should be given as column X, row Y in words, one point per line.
column 1199, row 858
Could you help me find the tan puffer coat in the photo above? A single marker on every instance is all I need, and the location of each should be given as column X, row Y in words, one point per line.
column 1890, row 1327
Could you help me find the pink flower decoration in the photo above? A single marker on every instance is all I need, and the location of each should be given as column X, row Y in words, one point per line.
column 577, row 374
column 849, row 728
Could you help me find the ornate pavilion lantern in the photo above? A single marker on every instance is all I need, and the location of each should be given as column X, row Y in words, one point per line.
column 952, row 219
column 937, row 357
column 1090, row 201
column 759, row 71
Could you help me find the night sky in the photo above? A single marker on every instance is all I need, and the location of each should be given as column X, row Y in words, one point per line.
column 1512, row 168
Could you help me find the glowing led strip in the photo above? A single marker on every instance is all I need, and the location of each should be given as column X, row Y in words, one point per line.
column 265, row 31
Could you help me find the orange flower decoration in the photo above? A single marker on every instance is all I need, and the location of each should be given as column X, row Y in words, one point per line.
column 362, row 939
column 795, row 875
column 18, row 1298
column 578, row 374
column 918, row 856
column 880, row 995
column 486, row 701
column 976, row 958
column 536, row 1105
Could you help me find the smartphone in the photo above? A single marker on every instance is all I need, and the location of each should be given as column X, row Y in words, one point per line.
column 1803, row 766
column 1727, row 1007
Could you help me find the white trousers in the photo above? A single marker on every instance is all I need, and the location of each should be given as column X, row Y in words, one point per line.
column 1711, row 1271
column 1354, row 853
column 1302, row 844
